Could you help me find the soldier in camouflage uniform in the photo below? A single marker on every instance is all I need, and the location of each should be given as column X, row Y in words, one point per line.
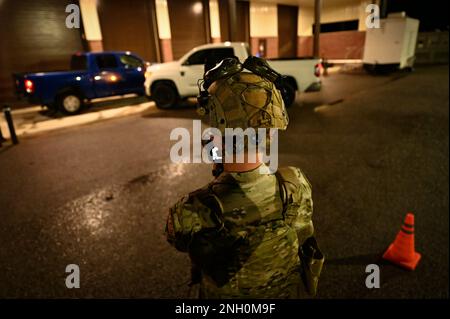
column 243, row 230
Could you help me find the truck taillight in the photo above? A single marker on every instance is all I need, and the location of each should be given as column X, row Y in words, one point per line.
column 317, row 69
column 29, row 86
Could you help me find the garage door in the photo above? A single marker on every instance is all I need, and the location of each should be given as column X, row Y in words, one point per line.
column 127, row 26
column 287, row 31
column 243, row 21
column 34, row 37
column 187, row 24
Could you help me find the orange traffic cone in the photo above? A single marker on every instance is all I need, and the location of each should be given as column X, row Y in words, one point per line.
column 401, row 251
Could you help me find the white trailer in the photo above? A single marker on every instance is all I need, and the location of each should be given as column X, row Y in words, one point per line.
column 393, row 45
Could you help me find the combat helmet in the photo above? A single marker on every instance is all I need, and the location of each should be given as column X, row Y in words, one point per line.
column 235, row 98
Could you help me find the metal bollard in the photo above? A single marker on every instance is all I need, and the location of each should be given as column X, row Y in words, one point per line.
column 325, row 67
column 9, row 120
column 2, row 139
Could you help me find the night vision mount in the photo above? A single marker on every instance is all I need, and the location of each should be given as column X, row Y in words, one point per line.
column 230, row 66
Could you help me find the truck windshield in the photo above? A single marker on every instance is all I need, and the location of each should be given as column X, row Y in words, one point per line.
column 78, row 62
column 210, row 55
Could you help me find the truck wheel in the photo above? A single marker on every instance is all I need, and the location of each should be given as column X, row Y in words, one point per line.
column 288, row 94
column 70, row 103
column 165, row 95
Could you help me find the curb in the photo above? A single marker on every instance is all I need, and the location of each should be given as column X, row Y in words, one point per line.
column 28, row 129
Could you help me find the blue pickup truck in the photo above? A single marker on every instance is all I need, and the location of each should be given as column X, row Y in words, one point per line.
column 92, row 75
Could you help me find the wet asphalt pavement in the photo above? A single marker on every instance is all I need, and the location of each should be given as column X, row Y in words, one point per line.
column 98, row 195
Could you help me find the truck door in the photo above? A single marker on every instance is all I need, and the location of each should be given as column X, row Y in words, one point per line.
column 193, row 68
column 133, row 70
column 107, row 79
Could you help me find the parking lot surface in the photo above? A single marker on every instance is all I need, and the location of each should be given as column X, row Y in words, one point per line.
column 373, row 147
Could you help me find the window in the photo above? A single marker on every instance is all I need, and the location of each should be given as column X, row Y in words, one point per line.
column 210, row 56
column 130, row 61
column 106, row 61
column 78, row 62
column 197, row 58
column 351, row 25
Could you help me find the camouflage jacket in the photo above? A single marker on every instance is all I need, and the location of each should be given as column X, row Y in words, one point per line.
column 244, row 234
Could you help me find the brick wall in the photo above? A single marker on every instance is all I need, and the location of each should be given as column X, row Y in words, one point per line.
column 335, row 45
column 95, row 45
column 166, row 50
column 271, row 46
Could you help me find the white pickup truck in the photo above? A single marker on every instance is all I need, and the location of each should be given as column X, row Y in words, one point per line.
column 168, row 83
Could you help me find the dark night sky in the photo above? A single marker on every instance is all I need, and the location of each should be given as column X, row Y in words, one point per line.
column 433, row 14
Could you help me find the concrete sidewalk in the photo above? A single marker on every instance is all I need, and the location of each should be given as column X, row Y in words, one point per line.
column 37, row 119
